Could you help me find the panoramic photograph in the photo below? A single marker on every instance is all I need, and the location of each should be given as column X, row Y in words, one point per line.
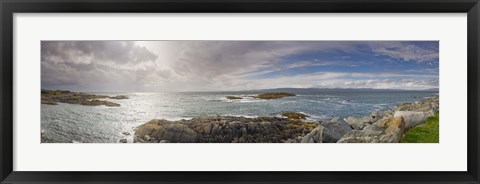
column 239, row 91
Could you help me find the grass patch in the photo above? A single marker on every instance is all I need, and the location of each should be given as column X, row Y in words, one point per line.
column 425, row 133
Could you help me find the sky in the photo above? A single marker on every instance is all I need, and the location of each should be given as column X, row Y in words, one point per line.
column 167, row 66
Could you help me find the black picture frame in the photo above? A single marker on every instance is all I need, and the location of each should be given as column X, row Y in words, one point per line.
column 9, row 7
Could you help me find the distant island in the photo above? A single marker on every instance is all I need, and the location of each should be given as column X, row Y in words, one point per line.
column 53, row 97
column 234, row 98
column 273, row 95
column 267, row 96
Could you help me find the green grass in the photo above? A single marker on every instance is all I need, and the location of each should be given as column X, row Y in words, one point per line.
column 425, row 133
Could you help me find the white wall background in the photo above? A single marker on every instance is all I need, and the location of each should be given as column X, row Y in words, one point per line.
column 449, row 155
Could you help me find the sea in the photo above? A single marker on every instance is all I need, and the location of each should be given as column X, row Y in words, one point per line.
column 71, row 123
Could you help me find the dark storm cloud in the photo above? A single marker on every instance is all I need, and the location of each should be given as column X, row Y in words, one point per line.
column 85, row 52
column 94, row 64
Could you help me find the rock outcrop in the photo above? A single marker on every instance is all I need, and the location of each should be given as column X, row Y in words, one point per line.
column 53, row 97
column 426, row 105
column 315, row 136
column 233, row 97
column 359, row 123
column 412, row 118
column 273, row 95
column 383, row 131
column 119, row 97
column 327, row 132
column 390, row 125
column 222, row 129
column 295, row 115
column 334, row 130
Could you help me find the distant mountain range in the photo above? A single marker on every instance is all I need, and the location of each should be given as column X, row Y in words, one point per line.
column 432, row 89
column 293, row 90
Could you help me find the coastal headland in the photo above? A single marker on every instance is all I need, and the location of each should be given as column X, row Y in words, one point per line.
column 265, row 96
column 53, row 97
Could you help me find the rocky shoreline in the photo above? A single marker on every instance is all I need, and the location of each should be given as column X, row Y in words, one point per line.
column 379, row 127
column 53, row 97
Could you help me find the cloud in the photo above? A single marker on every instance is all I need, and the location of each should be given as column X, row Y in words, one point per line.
column 268, row 68
column 408, row 84
column 227, row 65
column 86, row 52
column 340, row 80
column 407, row 51
column 98, row 65
column 208, row 59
